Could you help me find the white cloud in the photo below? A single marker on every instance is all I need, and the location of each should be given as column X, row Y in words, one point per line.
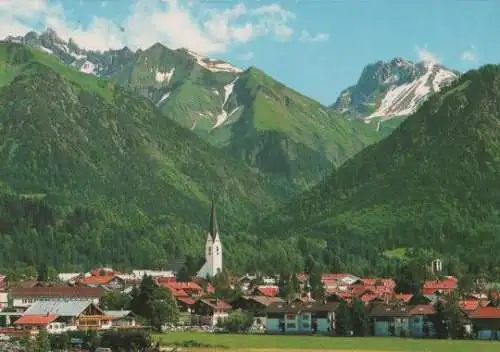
column 425, row 55
column 305, row 36
column 247, row 56
column 175, row 23
column 469, row 55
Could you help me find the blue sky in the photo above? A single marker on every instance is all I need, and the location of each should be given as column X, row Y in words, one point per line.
column 317, row 47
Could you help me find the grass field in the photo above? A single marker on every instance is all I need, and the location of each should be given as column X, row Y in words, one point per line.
column 270, row 343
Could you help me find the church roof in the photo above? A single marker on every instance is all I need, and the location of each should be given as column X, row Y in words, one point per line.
column 214, row 228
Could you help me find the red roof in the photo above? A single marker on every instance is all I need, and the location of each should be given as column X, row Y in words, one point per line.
column 186, row 300
column 446, row 285
column 38, row 319
column 56, row 291
column 485, row 313
column 381, row 282
column 186, row 286
column 217, row 303
column 368, row 297
column 269, row 291
column 469, row 304
column 403, row 297
column 423, row 309
column 96, row 280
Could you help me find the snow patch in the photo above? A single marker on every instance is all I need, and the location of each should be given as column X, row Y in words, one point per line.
column 88, row 67
column 216, row 92
column 228, row 90
column 405, row 99
column 214, row 65
column 47, row 50
column 163, row 98
column 162, row 76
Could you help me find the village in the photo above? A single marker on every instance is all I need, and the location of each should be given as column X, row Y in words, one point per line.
column 80, row 302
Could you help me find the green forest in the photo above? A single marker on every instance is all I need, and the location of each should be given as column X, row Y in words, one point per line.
column 93, row 174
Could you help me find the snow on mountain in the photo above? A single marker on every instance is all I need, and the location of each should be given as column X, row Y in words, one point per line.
column 163, row 98
column 88, row 67
column 390, row 89
column 228, row 90
column 164, row 76
column 405, row 99
column 214, row 65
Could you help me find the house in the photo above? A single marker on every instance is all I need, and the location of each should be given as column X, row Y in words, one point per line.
column 69, row 277
column 439, row 287
column 112, row 282
column 185, row 293
column 267, row 290
column 256, row 305
column 4, row 300
column 22, row 298
column 211, row 311
column 68, row 314
column 486, row 321
column 390, row 319
column 121, row 318
column 139, row 274
column 301, row 317
column 421, row 320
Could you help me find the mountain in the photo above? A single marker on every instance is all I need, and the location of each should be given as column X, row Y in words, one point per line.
column 290, row 139
column 432, row 184
column 92, row 173
column 394, row 89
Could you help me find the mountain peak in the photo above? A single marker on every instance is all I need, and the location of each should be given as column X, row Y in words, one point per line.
column 393, row 88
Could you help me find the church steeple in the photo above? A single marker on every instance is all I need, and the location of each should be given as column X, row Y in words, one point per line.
column 214, row 228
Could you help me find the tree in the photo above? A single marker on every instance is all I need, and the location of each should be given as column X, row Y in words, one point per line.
column 360, row 320
column 316, row 284
column 343, row 321
column 42, row 341
column 115, row 300
column 155, row 304
column 237, row 322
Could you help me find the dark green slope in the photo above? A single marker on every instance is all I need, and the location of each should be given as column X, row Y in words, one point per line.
column 432, row 184
column 79, row 142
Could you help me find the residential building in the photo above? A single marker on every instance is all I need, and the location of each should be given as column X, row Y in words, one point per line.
column 121, row 318
column 486, row 321
column 69, row 314
column 210, row 311
column 22, row 298
column 256, row 305
column 301, row 317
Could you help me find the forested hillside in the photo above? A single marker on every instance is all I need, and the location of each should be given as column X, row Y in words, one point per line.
column 93, row 174
column 432, row 184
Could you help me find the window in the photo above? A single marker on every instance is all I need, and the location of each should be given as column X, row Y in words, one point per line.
column 217, row 250
column 290, row 316
column 291, row 325
column 210, row 250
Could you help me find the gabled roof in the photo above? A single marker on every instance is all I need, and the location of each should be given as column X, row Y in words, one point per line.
column 98, row 280
column 216, row 303
column 423, row 309
column 69, row 308
column 56, row 291
column 264, row 300
column 117, row 314
column 268, row 290
column 297, row 307
column 485, row 313
column 36, row 319
column 390, row 310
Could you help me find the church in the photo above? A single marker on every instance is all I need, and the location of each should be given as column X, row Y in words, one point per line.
column 213, row 249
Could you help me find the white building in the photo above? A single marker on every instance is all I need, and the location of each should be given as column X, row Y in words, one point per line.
column 213, row 249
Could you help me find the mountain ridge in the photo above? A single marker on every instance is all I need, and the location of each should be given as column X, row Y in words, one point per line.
column 429, row 185
column 245, row 113
column 392, row 89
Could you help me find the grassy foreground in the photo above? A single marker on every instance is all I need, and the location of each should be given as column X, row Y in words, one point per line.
column 271, row 343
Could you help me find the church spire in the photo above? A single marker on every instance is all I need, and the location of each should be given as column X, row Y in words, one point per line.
column 214, row 228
